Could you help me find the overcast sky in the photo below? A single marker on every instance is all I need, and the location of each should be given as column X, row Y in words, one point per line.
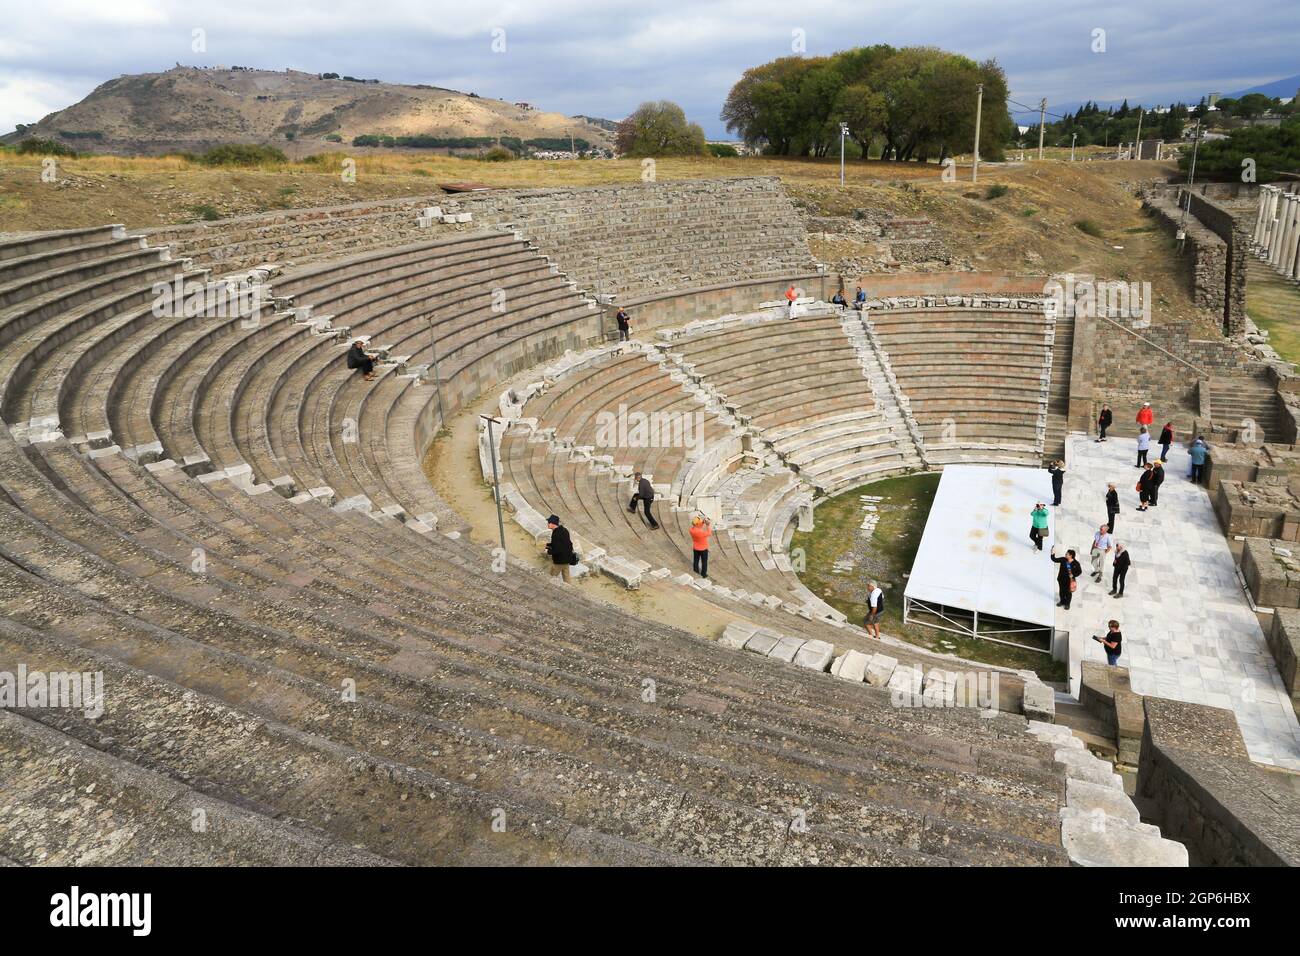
column 603, row 57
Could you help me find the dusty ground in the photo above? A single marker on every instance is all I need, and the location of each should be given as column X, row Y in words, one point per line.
column 452, row 467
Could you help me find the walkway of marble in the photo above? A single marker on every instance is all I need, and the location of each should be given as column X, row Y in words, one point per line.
column 1189, row 633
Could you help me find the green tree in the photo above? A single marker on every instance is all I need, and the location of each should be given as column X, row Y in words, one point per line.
column 659, row 128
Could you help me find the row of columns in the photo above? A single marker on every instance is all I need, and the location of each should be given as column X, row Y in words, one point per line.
column 1277, row 230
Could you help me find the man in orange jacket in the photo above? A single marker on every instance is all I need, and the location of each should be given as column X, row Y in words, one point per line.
column 700, row 531
column 1145, row 415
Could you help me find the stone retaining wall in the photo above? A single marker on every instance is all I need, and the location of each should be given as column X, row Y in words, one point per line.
column 1284, row 642
column 1272, row 583
column 1202, row 789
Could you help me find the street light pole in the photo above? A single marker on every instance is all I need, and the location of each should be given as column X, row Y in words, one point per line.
column 1073, row 137
column 1137, row 143
column 437, row 376
column 979, row 109
column 496, row 478
column 844, row 131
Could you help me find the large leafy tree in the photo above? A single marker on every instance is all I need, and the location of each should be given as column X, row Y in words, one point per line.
column 659, row 128
column 907, row 103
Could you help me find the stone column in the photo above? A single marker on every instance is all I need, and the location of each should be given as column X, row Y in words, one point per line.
column 1286, row 248
column 1280, row 232
column 1292, row 250
column 1257, row 237
column 1270, row 221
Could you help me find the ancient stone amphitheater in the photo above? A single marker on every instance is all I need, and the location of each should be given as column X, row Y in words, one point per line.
column 303, row 648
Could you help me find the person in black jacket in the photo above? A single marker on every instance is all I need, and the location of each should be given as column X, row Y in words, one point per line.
column 1057, row 471
column 1070, row 569
column 624, row 324
column 1166, row 439
column 358, row 357
column 1103, row 422
column 645, row 492
column 1144, row 487
column 560, row 548
column 1112, row 643
column 1112, row 505
column 1157, row 479
column 1118, row 570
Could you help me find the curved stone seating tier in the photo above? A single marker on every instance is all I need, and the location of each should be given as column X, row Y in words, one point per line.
column 623, row 239
column 226, row 611
column 976, row 380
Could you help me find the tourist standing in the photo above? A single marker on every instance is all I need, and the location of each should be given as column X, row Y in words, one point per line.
column 1067, row 574
column 875, row 607
column 1166, row 439
column 1038, row 525
column 644, row 492
column 1198, row 453
column 1144, row 488
column 1144, row 445
column 1111, row 643
column 1112, row 506
column 1145, row 415
column 1157, row 479
column 560, row 548
column 1101, row 545
column 790, row 295
column 700, row 531
column 624, row 324
column 1057, row 471
column 1103, row 422
column 1119, row 571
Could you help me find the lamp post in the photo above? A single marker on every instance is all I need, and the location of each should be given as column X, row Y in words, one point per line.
column 496, row 478
column 979, row 109
column 1073, row 137
column 437, row 376
column 844, row 131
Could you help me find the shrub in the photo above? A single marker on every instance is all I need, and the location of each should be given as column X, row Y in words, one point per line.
column 45, row 147
column 205, row 212
column 498, row 154
column 996, row 190
column 333, row 138
column 242, row 154
column 1088, row 228
column 723, row 150
column 1028, row 211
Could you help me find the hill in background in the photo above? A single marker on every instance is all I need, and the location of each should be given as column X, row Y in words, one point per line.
column 191, row 108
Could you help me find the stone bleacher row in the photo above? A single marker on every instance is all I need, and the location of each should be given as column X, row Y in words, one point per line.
column 620, row 240
column 226, row 618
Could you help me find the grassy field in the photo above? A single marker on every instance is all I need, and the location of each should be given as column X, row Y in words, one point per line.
column 1273, row 304
column 886, row 555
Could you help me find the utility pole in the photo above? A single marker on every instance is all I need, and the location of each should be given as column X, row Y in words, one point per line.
column 1042, row 115
column 1073, row 137
column 573, row 151
column 1191, row 176
column 979, row 109
column 1137, row 143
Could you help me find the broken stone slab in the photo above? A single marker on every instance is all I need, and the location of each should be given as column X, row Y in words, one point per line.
column 786, row 648
column 852, row 666
column 815, row 655
column 736, row 634
column 1080, row 765
column 762, row 641
column 905, row 684
column 880, row 668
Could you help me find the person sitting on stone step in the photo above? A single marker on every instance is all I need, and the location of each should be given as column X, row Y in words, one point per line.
column 860, row 299
column 358, row 357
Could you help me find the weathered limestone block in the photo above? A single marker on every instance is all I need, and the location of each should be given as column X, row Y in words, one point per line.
column 1284, row 642
column 852, row 666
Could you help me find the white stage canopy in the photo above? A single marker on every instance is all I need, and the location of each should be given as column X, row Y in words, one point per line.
column 976, row 556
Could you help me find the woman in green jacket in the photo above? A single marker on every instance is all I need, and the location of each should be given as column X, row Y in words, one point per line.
column 1038, row 530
